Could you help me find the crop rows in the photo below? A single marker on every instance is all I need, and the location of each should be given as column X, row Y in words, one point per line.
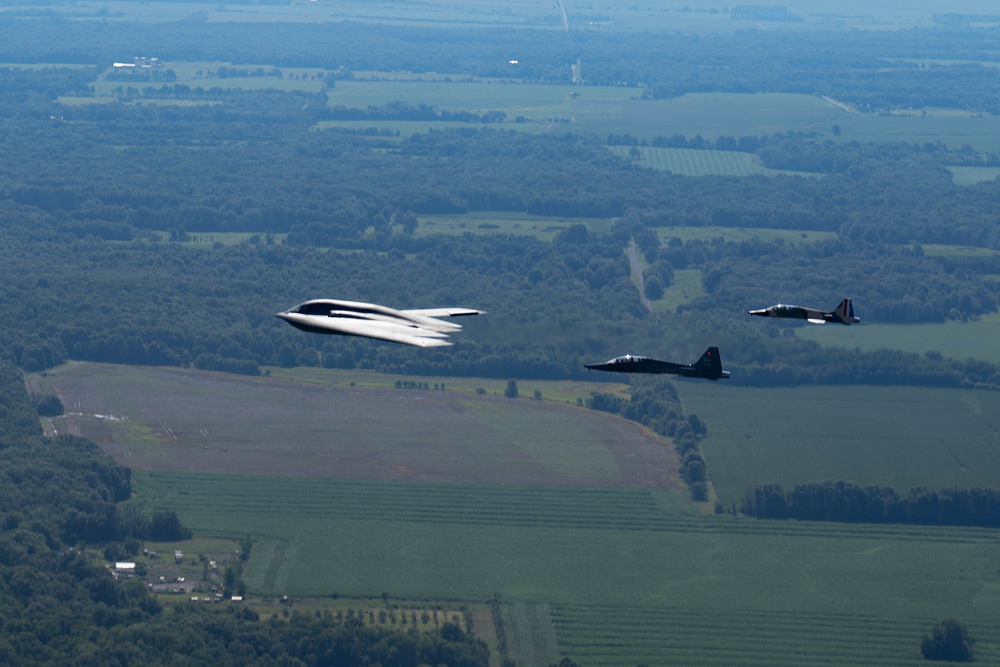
column 695, row 162
column 214, row 500
column 679, row 635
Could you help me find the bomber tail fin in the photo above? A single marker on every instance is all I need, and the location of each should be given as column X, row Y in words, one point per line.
column 710, row 365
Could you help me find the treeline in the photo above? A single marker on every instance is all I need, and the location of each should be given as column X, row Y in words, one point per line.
column 160, row 303
column 847, row 502
column 656, row 404
column 403, row 111
column 65, row 484
column 62, row 498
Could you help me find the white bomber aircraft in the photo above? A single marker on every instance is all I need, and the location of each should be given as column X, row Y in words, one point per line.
column 355, row 318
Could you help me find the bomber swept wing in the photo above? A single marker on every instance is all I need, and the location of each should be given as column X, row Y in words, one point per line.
column 844, row 313
column 420, row 327
column 708, row 367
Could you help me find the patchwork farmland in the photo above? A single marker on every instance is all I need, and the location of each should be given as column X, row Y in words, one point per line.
column 575, row 519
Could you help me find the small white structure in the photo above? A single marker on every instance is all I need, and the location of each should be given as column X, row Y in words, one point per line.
column 124, row 569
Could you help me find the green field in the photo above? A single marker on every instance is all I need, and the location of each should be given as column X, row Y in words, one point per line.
column 903, row 437
column 686, row 288
column 983, row 134
column 624, row 580
column 976, row 339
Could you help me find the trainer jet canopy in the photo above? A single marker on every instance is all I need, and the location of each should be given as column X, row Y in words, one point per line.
column 844, row 313
column 708, row 367
column 354, row 318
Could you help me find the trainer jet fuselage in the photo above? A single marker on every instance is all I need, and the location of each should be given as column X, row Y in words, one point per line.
column 355, row 318
column 709, row 367
column 844, row 313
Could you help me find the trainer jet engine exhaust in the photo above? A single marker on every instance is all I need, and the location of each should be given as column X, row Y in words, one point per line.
column 709, row 367
column 354, row 318
column 844, row 313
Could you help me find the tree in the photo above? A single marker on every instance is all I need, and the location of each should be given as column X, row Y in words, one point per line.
column 48, row 405
column 950, row 641
column 511, row 390
column 654, row 288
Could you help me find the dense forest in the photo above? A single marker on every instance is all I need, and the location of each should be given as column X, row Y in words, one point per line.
column 99, row 199
column 61, row 500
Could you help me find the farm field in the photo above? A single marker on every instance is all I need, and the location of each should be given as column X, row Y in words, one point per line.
column 604, row 110
column 614, row 575
column 544, row 228
column 983, row 134
column 532, row 101
column 177, row 419
column 903, row 437
column 606, row 568
column 710, row 115
column 976, row 339
column 697, row 162
column 973, row 175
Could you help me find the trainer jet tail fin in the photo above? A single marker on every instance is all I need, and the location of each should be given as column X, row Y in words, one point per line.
column 710, row 365
column 845, row 312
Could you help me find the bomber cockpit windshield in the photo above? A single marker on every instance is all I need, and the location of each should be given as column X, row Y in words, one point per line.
column 313, row 308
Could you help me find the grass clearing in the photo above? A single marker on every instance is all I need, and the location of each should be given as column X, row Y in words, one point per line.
column 686, row 288
column 976, row 339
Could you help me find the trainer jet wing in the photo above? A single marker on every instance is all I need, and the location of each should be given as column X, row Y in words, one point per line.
column 422, row 328
column 708, row 367
column 844, row 313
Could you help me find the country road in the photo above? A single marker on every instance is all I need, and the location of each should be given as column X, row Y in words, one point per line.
column 633, row 259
